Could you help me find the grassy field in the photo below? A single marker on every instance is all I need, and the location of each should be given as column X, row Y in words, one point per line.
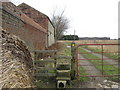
column 108, row 69
column 113, row 50
column 113, row 55
column 92, row 41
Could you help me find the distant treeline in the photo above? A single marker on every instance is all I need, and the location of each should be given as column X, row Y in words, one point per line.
column 94, row 38
column 75, row 37
column 69, row 37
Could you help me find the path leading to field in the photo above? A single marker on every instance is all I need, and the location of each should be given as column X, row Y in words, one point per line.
column 95, row 82
column 91, row 70
column 108, row 60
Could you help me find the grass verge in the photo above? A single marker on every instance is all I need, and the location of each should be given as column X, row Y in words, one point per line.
column 82, row 72
column 67, row 52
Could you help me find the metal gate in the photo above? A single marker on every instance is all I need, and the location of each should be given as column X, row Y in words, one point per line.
column 103, row 57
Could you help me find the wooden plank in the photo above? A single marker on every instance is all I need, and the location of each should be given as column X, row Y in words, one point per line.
column 45, row 60
column 63, row 57
column 44, row 68
column 44, row 51
column 65, row 63
column 45, row 74
column 63, row 71
column 63, row 78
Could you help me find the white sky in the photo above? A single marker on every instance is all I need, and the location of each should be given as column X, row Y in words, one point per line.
column 89, row 18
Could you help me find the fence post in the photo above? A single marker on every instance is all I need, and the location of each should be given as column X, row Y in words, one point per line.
column 34, row 63
column 73, row 68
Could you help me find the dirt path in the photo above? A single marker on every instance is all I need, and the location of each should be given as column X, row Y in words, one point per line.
column 108, row 60
column 91, row 70
column 95, row 82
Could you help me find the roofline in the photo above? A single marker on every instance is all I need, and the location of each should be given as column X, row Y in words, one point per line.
column 32, row 7
column 51, row 22
column 39, row 12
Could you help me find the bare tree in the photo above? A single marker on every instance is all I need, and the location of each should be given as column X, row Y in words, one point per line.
column 60, row 23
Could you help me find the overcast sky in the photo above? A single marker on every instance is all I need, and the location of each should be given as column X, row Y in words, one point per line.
column 89, row 18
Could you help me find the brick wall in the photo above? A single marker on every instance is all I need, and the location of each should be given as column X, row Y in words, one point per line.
column 17, row 23
column 42, row 19
column 37, row 16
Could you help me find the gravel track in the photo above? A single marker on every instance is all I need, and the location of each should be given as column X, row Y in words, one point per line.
column 108, row 60
column 91, row 70
column 95, row 82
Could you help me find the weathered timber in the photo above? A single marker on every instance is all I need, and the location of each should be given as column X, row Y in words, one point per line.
column 45, row 74
column 63, row 57
column 73, row 63
column 46, row 60
column 63, row 73
column 63, row 78
column 44, row 51
column 63, row 66
column 44, row 68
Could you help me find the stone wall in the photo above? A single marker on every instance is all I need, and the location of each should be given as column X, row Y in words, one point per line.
column 15, row 62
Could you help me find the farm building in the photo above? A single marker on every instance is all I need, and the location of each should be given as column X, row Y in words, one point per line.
column 35, row 36
column 42, row 19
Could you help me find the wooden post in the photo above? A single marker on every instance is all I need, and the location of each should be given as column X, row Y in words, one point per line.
column 34, row 63
column 73, row 49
